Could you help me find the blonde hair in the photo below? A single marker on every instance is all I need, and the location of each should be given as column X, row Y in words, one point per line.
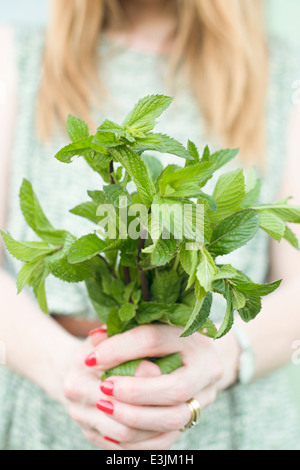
column 220, row 43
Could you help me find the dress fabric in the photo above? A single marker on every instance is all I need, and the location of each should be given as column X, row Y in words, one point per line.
column 260, row 416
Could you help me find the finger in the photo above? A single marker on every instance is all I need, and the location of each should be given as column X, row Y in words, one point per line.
column 147, row 369
column 162, row 441
column 97, row 336
column 143, row 341
column 90, row 418
column 84, row 391
column 98, row 441
column 155, row 418
column 170, row 389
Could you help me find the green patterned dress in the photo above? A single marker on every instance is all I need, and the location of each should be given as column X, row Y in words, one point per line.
column 260, row 416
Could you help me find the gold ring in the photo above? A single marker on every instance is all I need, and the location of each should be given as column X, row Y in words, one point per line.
column 195, row 410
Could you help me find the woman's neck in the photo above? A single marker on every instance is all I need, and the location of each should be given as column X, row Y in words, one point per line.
column 150, row 25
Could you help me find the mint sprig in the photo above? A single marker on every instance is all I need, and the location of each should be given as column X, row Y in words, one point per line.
column 154, row 277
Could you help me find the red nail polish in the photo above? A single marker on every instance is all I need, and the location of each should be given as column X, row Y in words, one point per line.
column 111, row 440
column 106, row 406
column 107, row 388
column 97, row 331
column 91, row 360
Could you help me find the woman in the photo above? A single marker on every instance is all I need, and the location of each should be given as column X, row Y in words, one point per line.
column 225, row 79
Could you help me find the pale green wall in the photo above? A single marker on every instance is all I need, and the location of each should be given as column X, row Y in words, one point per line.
column 284, row 18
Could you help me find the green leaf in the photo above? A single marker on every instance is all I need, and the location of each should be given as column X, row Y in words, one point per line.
column 86, row 248
column 193, row 151
column 77, row 129
column 229, row 315
column 36, row 218
column 229, row 195
column 26, row 251
column 206, row 270
column 101, row 302
column 161, row 143
column 149, row 312
column 77, row 149
column 199, row 316
column 234, row 232
column 143, row 116
column 225, row 272
column 253, row 188
column 27, row 273
column 162, row 251
column 137, row 169
column 272, row 225
column 186, row 182
column 88, row 210
column 252, row 308
column 154, row 165
column 221, row 158
column 165, row 288
column 116, row 194
column 127, row 311
column 260, row 290
column 169, row 364
column 127, row 369
column 238, row 299
column 291, row 238
column 285, row 212
column 58, row 265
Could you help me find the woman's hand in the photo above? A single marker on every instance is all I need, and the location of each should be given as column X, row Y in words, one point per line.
column 158, row 404
column 82, row 392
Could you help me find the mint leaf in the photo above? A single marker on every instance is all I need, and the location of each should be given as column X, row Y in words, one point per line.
column 229, row 315
column 221, row 157
column 127, row 369
column 144, row 115
column 234, row 232
column 138, row 171
column 291, row 238
column 186, row 182
column 272, row 225
column 58, row 265
column 127, row 311
column 77, row 149
column 36, row 218
column 285, row 212
column 26, row 251
column 199, row 316
column 161, row 143
column 206, row 270
column 165, row 288
column 169, row 364
column 154, row 165
column 229, row 195
column 77, row 129
column 86, row 248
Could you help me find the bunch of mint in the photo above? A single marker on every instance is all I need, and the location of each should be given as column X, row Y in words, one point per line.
column 155, row 277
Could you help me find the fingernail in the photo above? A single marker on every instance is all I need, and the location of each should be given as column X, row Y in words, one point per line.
column 91, row 360
column 106, row 406
column 97, row 331
column 107, row 388
column 111, row 440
